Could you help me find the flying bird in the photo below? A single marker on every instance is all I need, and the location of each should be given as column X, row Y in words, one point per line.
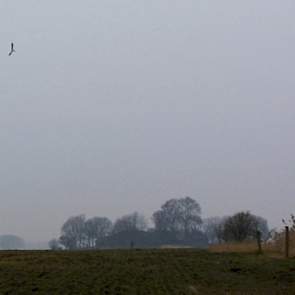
column 11, row 50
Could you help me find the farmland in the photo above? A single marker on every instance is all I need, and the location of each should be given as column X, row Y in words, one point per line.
column 182, row 271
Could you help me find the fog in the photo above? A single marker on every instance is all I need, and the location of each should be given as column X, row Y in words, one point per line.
column 113, row 106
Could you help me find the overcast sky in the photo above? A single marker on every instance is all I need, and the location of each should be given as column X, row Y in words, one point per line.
column 111, row 106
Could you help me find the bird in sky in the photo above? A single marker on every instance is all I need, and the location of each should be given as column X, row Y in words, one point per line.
column 11, row 50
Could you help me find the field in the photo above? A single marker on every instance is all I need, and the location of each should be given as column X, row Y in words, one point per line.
column 141, row 272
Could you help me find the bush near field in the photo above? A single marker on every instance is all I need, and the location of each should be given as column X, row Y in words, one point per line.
column 240, row 247
column 278, row 242
column 274, row 246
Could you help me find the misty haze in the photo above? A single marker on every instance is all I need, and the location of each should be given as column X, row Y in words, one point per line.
column 146, row 124
column 110, row 107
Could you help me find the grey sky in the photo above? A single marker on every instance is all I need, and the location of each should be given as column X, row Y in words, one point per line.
column 113, row 106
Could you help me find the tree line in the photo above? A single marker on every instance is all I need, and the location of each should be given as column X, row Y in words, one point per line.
column 178, row 222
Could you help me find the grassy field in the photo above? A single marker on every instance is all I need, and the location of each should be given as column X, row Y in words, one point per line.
column 143, row 272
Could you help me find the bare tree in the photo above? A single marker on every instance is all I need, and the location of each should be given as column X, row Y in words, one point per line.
column 73, row 232
column 262, row 226
column 290, row 222
column 242, row 226
column 130, row 222
column 213, row 228
column 97, row 228
column 179, row 216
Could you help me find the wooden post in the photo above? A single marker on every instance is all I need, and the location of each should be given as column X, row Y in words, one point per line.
column 258, row 236
column 287, row 241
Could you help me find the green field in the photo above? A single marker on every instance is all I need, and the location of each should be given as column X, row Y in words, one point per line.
column 143, row 272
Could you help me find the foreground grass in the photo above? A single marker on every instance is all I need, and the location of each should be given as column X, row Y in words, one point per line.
column 143, row 272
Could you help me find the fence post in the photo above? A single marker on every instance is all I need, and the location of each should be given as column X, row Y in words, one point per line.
column 287, row 241
column 258, row 236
